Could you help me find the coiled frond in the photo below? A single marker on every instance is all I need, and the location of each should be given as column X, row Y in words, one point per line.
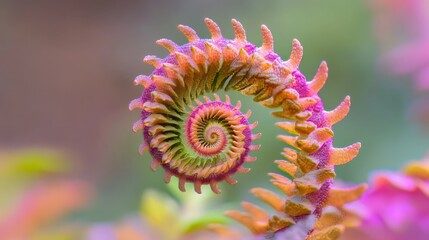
column 218, row 136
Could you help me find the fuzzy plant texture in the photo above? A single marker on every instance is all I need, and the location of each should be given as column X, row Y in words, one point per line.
column 205, row 142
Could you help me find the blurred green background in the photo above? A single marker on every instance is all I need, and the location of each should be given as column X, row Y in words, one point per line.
column 67, row 71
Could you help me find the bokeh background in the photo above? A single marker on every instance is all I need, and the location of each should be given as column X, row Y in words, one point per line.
column 67, row 71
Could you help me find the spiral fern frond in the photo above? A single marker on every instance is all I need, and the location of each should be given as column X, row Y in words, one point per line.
column 217, row 139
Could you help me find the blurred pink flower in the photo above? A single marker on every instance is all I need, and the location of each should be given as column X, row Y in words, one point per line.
column 395, row 207
column 419, row 110
column 408, row 22
column 402, row 29
column 394, row 19
column 127, row 230
column 36, row 195
column 41, row 206
column 411, row 58
column 162, row 217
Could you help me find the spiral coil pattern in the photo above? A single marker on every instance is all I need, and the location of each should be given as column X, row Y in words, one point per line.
column 218, row 136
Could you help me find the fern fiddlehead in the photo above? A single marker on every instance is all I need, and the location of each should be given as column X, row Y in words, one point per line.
column 218, row 135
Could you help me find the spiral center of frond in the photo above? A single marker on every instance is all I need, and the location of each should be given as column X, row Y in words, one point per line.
column 212, row 127
column 213, row 138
